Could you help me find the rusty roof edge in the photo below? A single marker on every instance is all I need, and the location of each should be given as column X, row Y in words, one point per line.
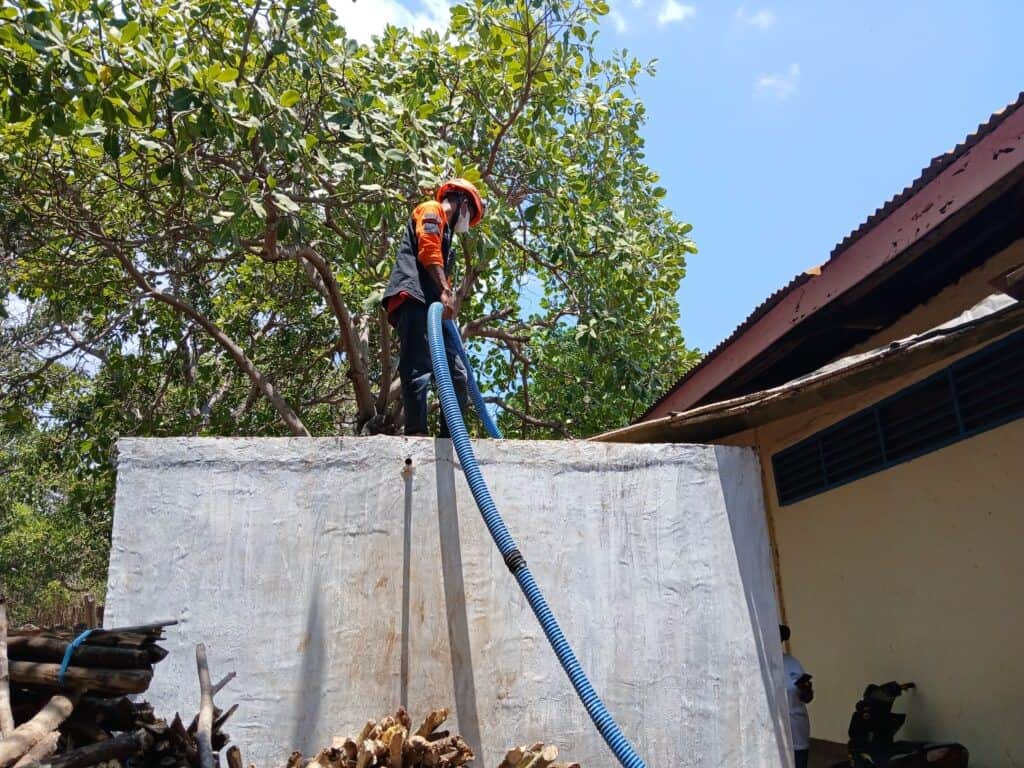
column 928, row 174
column 996, row 315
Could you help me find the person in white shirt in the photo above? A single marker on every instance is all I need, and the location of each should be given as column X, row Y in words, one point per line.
column 800, row 692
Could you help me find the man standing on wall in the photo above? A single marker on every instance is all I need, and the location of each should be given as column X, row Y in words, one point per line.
column 418, row 279
column 800, row 692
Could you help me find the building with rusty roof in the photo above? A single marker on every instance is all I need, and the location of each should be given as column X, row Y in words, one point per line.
column 884, row 392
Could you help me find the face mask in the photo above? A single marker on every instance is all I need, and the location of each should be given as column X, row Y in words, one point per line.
column 461, row 225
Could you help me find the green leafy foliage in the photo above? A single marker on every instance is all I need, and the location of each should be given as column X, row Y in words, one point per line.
column 200, row 204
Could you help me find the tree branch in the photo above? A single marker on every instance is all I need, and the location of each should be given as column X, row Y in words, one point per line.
column 284, row 410
column 357, row 372
column 473, row 327
column 527, row 418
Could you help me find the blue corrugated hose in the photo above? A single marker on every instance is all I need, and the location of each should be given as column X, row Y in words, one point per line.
column 68, row 652
column 455, row 340
column 623, row 750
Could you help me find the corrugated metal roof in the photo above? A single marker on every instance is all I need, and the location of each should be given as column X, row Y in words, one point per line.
column 989, row 319
column 933, row 169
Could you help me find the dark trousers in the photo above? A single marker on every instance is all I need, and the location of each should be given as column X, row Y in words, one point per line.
column 417, row 371
column 800, row 757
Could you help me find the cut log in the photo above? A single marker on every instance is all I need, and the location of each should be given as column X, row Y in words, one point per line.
column 332, row 757
column 512, row 758
column 25, row 736
column 417, row 747
column 234, row 756
column 449, row 751
column 432, row 722
column 83, row 733
column 105, row 681
column 41, row 750
column 395, row 744
column 367, row 730
column 350, row 748
column 365, row 755
column 118, row 714
column 52, row 649
column 118, row 748
column 547, row 756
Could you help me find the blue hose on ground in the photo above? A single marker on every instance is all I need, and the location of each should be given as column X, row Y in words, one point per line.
column 623, row 750
column 455, row 341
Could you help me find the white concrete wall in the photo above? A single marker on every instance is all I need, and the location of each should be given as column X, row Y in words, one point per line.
column 301, row 565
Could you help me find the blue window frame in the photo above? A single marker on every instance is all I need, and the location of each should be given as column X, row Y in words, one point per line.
column 974, row 394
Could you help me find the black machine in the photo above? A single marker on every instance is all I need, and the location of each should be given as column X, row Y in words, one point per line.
column 873, row 729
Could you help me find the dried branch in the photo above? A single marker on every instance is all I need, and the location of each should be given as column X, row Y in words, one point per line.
column 6, row 717
column 204, row 732
column 223, row 681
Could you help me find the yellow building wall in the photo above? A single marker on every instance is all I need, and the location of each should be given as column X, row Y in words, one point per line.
column 917, row 573
column 914, row 573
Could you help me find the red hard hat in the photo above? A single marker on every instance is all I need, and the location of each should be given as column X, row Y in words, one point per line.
column 464, row 186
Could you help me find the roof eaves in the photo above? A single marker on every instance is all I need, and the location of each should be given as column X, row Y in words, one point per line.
column 928, row 174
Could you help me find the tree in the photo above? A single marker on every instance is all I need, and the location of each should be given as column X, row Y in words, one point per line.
column 200, row 202
column 201, row 207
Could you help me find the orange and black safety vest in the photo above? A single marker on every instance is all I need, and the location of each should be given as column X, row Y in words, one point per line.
column 427, row 242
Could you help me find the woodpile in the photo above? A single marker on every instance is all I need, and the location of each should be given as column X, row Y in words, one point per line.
column 84, row 717
column 393, row 743
column 108, row 663
column 537, row 755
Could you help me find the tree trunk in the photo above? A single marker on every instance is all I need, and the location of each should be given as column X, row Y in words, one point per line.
column 357, row 374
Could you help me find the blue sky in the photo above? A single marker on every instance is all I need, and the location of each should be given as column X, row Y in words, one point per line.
column 778, row 127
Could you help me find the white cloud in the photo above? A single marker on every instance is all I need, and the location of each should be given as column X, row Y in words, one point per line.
column 763, row 19
column 780, row 85
column 364, row 18
column 672, row 10
column 618, row 21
